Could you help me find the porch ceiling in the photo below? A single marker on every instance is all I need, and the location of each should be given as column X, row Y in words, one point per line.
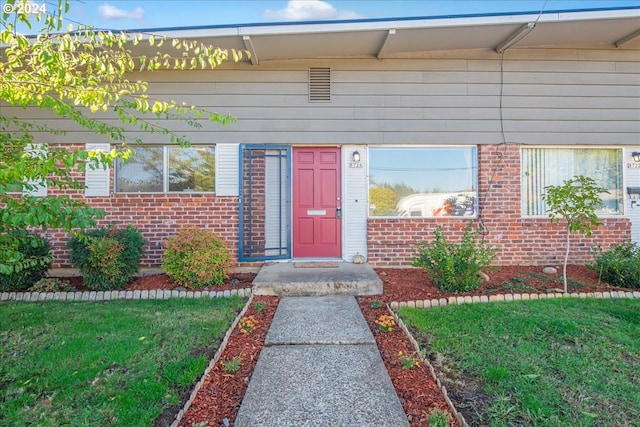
column 388, row 38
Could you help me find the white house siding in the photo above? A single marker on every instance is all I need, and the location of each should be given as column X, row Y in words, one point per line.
column 632, row 205
column 354, row 202
column 550, row 96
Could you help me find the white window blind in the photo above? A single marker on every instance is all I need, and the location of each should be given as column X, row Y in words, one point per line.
column 542, row 167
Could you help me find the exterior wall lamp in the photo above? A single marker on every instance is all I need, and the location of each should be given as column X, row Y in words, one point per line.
column 356, row 157
column 635, row 156
column 355, row 160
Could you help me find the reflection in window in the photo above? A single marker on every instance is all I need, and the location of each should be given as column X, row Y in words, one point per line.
column 157, row 169
column 191, row 169
column 422, row 182
column 142, row 172
column 542, row 167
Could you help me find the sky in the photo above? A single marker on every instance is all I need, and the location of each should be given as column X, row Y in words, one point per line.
column 120, row 14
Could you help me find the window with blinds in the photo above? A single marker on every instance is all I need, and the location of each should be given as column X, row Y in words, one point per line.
column 542, row 167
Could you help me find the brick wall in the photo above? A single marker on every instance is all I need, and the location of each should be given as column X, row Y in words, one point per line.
column 390, row 241
column 157, row 216
column 520, row 240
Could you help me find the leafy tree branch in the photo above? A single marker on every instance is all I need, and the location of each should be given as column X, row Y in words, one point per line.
column 74, row 73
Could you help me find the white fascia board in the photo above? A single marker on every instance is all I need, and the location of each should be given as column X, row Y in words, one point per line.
column 373, row 25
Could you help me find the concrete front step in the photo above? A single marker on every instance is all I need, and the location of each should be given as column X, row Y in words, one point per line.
column 320, row 366
column 342, row 278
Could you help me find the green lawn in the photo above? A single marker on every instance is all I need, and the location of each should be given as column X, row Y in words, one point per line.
column 115, row 363
column 562, row 362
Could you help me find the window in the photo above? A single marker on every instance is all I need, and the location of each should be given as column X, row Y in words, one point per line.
column 542, row 167
column 158, row 169
column 422, row 182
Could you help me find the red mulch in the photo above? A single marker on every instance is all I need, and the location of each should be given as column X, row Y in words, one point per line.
column 217, row 402
column 413, row 284
column 415, row 387
column 221, row 393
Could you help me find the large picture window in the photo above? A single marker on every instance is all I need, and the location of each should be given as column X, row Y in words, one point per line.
column 422, row 182
column 542, row 167
column 162, row 169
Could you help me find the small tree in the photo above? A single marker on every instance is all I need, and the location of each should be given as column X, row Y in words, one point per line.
column 576, row 201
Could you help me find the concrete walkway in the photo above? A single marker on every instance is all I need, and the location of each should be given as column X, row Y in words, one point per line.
column 320, row 366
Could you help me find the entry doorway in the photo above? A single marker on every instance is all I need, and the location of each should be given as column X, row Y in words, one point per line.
column 317, row 204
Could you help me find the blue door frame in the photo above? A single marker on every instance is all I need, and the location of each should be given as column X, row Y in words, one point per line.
column 264, row 226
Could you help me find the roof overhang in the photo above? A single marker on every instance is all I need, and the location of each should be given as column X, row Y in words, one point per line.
column 388, row 38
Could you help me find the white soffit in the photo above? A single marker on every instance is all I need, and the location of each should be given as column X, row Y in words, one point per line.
column 370, row 38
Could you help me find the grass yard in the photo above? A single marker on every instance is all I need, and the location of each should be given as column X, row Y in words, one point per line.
column 116, row 363
column 562, row 362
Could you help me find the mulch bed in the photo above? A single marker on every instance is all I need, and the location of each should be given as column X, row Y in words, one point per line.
column 415, row 387
column 219, row 398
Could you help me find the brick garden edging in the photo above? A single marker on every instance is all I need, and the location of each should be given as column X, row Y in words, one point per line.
column 394, row 306
column 115, row 295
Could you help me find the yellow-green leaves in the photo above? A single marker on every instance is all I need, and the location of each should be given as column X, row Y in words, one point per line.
column 72, row 75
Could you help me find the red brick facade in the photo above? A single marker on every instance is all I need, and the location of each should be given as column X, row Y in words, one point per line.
column 157, row 216
column 390, row 241
column 533, row 241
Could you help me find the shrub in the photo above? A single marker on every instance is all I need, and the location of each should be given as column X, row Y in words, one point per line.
column 51, row 284
column 196, row 258
column 455, row 267
column 36, row 260
column 106, row 258
column 620, row 265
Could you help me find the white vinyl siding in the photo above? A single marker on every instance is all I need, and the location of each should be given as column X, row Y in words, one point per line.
column 354, row 203
column 633, row 201
column 97, row 180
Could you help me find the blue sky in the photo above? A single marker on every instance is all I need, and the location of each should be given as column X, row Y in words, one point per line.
column 119, row 14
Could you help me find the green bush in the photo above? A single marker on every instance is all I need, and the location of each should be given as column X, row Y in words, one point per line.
column 620, row 265
column 107, row 258
column 36, row 258
column 196, row 258
column 51, row 284
column 454, row 267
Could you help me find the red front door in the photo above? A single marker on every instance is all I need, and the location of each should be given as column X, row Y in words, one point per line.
column 316, row 202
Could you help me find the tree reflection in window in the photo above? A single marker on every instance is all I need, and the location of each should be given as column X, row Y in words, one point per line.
column 142, row 172
column 192, row 169
column 156, row 169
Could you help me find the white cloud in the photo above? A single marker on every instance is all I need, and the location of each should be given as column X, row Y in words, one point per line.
column 309, row 10
column 111, row 12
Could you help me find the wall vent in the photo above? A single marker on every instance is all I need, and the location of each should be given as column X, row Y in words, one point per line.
column 320, row 84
